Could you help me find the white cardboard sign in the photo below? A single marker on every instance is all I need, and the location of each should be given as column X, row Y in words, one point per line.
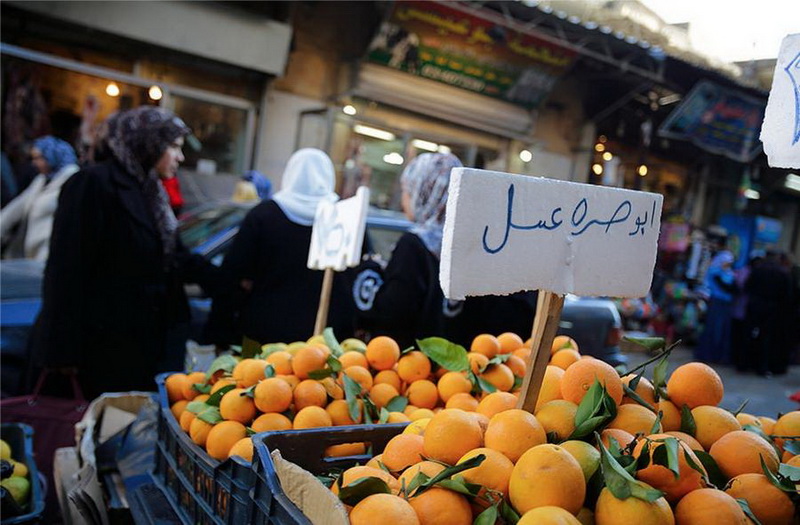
column 781, row 130
column 505, row 233
column 338, row 233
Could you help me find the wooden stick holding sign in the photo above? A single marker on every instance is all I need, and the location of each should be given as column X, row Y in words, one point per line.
column 573, row 238
column 336, row 241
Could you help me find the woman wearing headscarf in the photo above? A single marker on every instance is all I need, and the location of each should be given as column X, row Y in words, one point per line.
column 113, row 296
column 410, row 304
column 26, row 222
column 270, row 295
column 714, row 345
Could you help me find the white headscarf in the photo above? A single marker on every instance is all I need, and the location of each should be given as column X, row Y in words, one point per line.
column 426, row 180
column 307, row 180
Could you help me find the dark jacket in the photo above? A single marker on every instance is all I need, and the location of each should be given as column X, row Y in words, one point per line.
column 109, row 303
column 271, row 252
column 410, row 304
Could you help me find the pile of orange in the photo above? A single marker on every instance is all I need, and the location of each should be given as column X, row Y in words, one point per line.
column 533, row 468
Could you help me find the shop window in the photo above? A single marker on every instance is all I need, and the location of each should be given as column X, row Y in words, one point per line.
column 221, row 130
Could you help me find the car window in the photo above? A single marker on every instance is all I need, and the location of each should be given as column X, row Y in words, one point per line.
column 203, row 226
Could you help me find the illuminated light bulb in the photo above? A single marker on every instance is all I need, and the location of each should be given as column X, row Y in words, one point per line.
column 112, row 90
column 642, row 170
column 599, row 147
column 349, row 110
column 597, row 169
column 525, row 155
column 607, row 156
column 155, row 93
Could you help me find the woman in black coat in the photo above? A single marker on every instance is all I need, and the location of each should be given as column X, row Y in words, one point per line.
column 113, row 297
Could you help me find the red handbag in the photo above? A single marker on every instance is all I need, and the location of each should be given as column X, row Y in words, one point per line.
column 53, row 420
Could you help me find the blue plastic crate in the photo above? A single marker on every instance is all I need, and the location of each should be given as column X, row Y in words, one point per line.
column 202, row 489
column 306, row 448
column 19, row 437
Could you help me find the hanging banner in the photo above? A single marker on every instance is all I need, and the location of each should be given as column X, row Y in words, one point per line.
column 718, row 120
column 442, row 43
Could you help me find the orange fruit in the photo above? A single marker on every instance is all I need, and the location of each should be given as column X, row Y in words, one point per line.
column 740, row 452
column 748, row 419
column 580, row 377
column 513, row 432
column 340, row 412
column 429, row 468
column 622, row 437
column 548, row 515
column 509, row 341
column 477, row 362
column 485, row 344
column 410, row 409
column 551, row 386
column 222, row 437
column 516, row 365
column 664, row 479
column 235, row 406
column 388, row 377
column 345, row 449
column 500, row 376
column 561, row 342
column 292, row 380
column 670, row 415
column 558, row 416
column 787, row 425
column 713, row 423
column 634, row 419
column 249, row 372
column 271, row 422
column 565, row 358
column 189, row 392
column 704, row 506
column 453, row 383
column 644, row 389
column 450, row 434
column 585, row 454
column 309, row 393
column 186, row 420
column 198, row 431
column 360, row 375
column 242, row 448
column 413, row 366
column 523, row 353
column 221, row 383
column 482, row 420
column 611, row 511
column 402, row 451
column 417, row 426
column 686, row 438
column 770, row 504
column 767, row 424
column 382, row 393
column 383, row 508
column 382, row 353
column 178, row 407
column 463, row 401
column 439, row 506
column 355, row 473
column 273, row 395
column 397, row 417
column 547, row 475
column 423, row 394
column 495, row 403
column 421, row 413
column 494, row 471
column 312, row 417
column 307, row 360
column 695, row 384
column 281, row 362
column 353, row 358
column 174, row 385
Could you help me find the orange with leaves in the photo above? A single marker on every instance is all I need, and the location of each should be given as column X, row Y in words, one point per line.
column 382, row 353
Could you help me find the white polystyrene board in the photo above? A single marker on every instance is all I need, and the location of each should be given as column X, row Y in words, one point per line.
column 338, row 232
column 780, row 132
column 505, row 233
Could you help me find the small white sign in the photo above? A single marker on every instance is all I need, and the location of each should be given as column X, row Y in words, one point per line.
column 781, row 130
column 505, row 233
column 338, row 232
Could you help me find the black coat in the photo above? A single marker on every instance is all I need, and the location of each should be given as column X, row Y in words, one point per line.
column 271, row 252
column 109, row 304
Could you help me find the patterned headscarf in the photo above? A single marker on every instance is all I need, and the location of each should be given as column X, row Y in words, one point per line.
column 426, row 180
column 137, row 139
column 56, row 152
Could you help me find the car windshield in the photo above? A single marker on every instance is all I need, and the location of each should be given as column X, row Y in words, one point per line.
column 201, row 226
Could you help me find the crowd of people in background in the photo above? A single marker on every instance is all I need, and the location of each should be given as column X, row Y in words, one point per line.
column 751, row 321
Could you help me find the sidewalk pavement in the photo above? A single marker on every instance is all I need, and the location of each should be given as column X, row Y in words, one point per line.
column 768, row 396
